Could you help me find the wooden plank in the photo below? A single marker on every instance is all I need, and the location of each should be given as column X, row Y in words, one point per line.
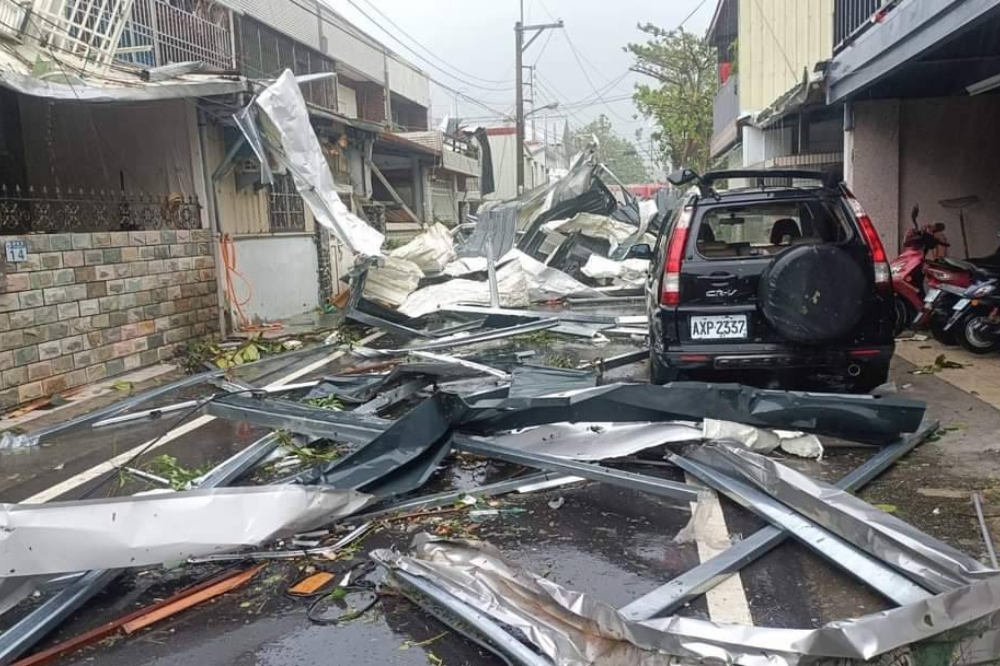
column 392, row 191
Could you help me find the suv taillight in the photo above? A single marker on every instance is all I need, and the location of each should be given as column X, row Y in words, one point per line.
column 883, row 276
column 671, row 294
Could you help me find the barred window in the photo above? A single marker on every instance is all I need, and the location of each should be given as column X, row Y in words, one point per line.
column 287, row 210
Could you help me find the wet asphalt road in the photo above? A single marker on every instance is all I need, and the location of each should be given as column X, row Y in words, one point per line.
column 615, row 543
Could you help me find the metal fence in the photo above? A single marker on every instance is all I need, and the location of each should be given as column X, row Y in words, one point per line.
column 45, row 210
column 160, row 32
column 89, row 29
column 850, row 16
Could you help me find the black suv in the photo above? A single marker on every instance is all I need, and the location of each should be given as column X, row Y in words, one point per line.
column 773, row 282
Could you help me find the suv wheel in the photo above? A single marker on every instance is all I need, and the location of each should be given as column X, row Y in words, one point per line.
column 660, row 372
column 872, row 376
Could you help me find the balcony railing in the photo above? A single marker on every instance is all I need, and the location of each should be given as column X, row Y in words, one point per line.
column 727, row 105
column 160, row 32
column 77, row 210
column 850, row 17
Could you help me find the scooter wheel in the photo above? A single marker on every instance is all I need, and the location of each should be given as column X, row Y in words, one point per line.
column 902, row 314
column 941, row 335
column 973, row 335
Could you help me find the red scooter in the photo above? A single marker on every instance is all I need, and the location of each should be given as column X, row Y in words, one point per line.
column 911, row 270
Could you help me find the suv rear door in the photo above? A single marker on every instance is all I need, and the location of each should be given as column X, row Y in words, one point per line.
column 732, row 242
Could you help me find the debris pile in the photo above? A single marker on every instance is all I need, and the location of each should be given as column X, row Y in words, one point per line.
column 446, row 385
column 353, row 454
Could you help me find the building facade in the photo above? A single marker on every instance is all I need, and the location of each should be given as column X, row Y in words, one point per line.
column 133, row 215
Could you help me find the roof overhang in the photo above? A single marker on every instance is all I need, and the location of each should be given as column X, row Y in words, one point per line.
column 139, row 92
column 909, row 31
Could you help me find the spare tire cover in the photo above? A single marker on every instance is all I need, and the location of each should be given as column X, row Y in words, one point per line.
column 813, row 293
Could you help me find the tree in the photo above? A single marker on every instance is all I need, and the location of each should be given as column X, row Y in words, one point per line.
column 619, row 154
column 684, row 67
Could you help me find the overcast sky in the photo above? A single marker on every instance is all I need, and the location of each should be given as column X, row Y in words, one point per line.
column 473, row 40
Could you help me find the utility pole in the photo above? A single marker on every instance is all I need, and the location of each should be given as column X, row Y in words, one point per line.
column 520, row 47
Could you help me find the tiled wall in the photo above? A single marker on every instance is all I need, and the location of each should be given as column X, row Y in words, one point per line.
column 88, row 306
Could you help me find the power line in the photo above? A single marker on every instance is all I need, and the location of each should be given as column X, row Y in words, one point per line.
column 430, row 63
column 693, row 12
column 428, row 51
column 590, row 81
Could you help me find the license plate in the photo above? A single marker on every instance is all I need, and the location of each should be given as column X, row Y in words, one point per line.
column 960, row 305
column 719, row 327
column 932, row 294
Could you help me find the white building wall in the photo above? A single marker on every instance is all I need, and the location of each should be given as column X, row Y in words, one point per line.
column 297, row 290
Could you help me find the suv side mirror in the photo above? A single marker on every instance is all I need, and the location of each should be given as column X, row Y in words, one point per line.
column 682, row 177
column 640, row 251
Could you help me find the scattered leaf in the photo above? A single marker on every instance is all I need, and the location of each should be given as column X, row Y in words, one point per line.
column 123, row 386
column 887, row 508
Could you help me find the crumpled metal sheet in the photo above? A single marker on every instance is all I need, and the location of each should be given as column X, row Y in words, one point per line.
column 511, row 279
column 530, row 381
column 62, row 537
column 392, row 281
column 576, row 629
column 546, row 283
column 926, row 560
column 763, row 440
column 401, row 458
column 284, row 106
column 495, row 229
column 597, row 441
column 858, row 418
column 629, row 271
column 593, row 226
column 246, row 121
column 431, row 250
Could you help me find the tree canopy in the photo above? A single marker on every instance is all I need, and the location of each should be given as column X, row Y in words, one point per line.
column 618, row 153
column 680, row 102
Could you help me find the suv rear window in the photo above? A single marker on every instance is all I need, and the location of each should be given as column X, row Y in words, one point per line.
column 755, row 230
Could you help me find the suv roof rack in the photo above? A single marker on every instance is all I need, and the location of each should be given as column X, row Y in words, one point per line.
column 827, row 180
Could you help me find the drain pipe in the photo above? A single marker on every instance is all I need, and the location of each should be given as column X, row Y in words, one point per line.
column 216, row 225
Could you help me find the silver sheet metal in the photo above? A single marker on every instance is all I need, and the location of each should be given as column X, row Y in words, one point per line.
column 501, row 642
column 615, row 477
column 462, row 339
column 471, row 365
column 283, row 104
column 246, row 121
column 597, row 441
column 932, row 563
column 152, row 529
column 574, row 628
column 565, row 315
column 702, row 578
column 839, row 552
column 140, row 92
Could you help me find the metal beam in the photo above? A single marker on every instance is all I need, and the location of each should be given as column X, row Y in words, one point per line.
column 449, row 497
column 697, row 581
column 392, row 191
column 631, row 480
column 462, row 340
column 891, row 584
